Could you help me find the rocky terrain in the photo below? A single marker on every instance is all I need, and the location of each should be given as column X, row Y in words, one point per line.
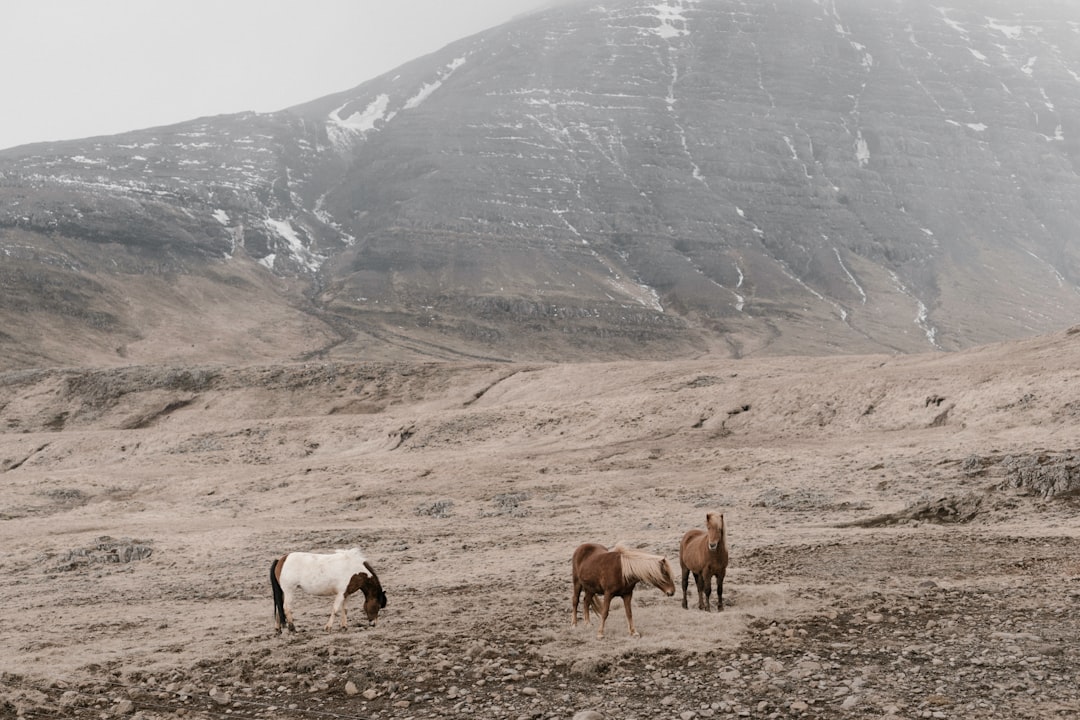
column 903, row 532
column 630, row 179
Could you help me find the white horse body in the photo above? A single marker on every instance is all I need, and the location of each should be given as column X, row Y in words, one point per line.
column 321, row 574
column 339, row 574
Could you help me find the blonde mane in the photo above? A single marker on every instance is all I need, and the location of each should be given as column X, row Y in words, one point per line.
column 642, row 565
column 712, row 521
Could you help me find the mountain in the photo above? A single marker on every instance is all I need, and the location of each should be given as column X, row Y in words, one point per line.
column 626, row 179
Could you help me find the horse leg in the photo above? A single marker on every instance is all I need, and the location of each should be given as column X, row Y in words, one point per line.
column 629, row 614
column 575, row 599
column 699, row 580
column 344, row 613
column 685, row 582
column 589, row 600
column 720, row 592
column 287, row 604
column 339, row 600
column 604, row 607
column 706, row 577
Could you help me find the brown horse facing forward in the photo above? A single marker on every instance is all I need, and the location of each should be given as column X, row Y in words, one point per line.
column 615, row 573
column 705, row 553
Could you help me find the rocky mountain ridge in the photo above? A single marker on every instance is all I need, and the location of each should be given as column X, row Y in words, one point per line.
column 595, row 181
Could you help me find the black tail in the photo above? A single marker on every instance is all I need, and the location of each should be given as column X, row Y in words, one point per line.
column 279, row 596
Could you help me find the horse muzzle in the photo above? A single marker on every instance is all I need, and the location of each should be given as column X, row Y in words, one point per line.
column 713, row 546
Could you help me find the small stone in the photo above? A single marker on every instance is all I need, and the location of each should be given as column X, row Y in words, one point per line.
column 849, row 702
column 799, row 706
column 351, row 689
column 124, row 707
column 370, row 694
column 588, row 668
column 772, row 666
column 220, row 696
column 588, row 715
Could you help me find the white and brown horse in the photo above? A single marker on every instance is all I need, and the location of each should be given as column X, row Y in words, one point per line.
column 705, row 554
column 615, row 573
column 340, row 574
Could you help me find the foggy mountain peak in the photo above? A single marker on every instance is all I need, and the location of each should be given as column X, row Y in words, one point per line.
column 602, row 180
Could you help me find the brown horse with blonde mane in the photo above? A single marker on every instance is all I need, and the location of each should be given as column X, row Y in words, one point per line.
column 615, row 573
column 705, row 554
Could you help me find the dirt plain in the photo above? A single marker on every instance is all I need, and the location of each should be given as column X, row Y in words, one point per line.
column 904, row 535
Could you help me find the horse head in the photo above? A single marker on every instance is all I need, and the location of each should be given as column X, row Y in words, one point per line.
column 714, row 522
column 668, row 584
column 374, row 597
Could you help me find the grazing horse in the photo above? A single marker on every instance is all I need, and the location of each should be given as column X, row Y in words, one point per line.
column 340, row 573
column 614, row 573
column 705, row 553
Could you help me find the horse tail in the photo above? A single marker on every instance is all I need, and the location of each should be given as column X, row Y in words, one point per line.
column 279, row 594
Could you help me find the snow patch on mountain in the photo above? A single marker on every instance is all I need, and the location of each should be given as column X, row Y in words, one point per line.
column 672, row 21
column 426, row 91
column 297, row 250
column 862, row 150
column 1010, row 31
column 343, row 129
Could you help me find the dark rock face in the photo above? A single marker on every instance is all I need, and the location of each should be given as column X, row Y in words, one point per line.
column 631, row 179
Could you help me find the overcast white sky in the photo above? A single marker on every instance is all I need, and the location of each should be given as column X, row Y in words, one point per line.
column 78, row 68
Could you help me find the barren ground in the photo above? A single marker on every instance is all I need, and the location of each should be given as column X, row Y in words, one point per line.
column 904, row 537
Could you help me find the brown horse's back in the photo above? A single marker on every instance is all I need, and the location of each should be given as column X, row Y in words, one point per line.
column 586, row 551
column 593, row 564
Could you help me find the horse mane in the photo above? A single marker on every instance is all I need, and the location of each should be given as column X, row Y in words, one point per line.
column 640, row 565
column 354, row 552
column 723, row 531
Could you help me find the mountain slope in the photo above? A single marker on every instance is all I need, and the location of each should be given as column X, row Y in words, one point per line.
column 626, row 179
